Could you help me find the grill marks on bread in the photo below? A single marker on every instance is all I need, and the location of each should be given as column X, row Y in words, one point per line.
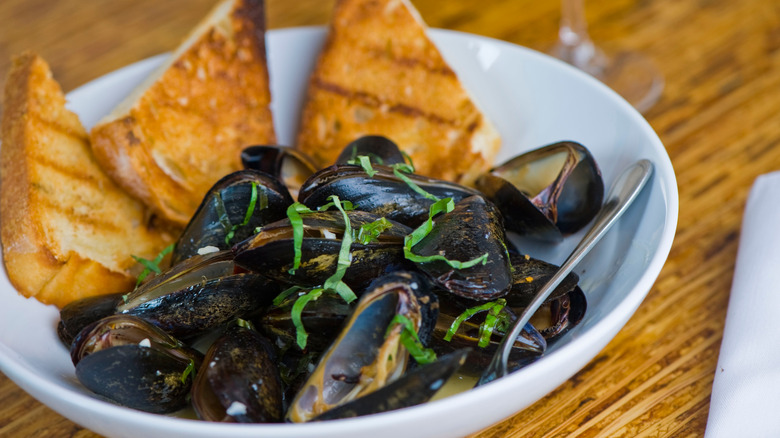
column 68, row 231
column 380, row 74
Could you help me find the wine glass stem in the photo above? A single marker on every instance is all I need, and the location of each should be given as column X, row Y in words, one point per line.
column 574, row 43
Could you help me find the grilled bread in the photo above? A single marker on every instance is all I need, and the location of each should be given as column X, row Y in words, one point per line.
column 67, row 230
column 185, row 126
column 380, row 74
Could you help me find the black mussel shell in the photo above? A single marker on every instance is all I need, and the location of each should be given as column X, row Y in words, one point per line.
column 558, row 316
column 414, row 388
column 547, row 192
column 224, row 210
column 529, row 275
column 383, row 194
column 80, row 313
column 529, row 346
column 200, row 294
column 473, row 228
column 368, row 352
column 288, row 165
column 135, row 364
column 379, row 149
column 323, row 319
column 239, row 380
column 271, row 251
column 137, row 377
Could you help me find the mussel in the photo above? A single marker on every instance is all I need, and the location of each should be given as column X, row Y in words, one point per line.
column 135, row 364
column 473, row 229
column 80, row 313
column 232, row 210
column 548, row 192
column 415, row 387
column 199, row 294
column 379, row 149
column 239, row 380
column 368, row 353
column 290, row 166
column 272, row 250
column 384, row 193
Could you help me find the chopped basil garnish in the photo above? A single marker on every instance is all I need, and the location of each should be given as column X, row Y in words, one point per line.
column 399, row 169
column 286, row 293
column 445, row 205
column 294, row 214
column 249, row 212
column 152, row 265
column 365, row 162
column 334, row 281
column 494, row 319
column 408, row 158
column 245, row 324
column 297, row 310
column 187, row 371
column 370, row 232
column 411, row 340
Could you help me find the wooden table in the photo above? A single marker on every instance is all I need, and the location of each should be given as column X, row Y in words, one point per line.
column 719, row 119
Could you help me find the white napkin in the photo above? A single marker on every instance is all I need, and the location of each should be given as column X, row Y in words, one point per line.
column 746, row 393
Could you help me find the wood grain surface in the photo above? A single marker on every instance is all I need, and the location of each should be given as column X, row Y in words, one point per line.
column 719, row 119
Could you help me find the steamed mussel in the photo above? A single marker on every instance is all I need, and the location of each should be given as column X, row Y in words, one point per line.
column 366, row 307
column 548, row 192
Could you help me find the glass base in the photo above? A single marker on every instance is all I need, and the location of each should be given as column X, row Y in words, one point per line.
column 630, row 74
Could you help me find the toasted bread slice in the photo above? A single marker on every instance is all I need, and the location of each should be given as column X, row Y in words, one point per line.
column 67, row 230
column 379, row 73
column 185, row 126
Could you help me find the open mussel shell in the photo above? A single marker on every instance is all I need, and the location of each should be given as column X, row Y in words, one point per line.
column 323, row 319
column 368, row 353
column 199, row 294
column 529, row 275
column 379, row 149
column 222, row 217
column 472, row 229
column 547, row 192
column 239, row 380
column 135, row 364
column 272, row 250
column 82, row 312
column 383, row 194
column 290, row 166
column 415, row 387
column 557, row 316
column 529, row 345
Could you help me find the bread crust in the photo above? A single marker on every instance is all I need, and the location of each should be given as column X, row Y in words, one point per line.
column 188, row 128
column 67, row 230
column 379, row 74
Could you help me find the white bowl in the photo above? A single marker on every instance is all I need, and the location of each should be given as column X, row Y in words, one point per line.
column 533, row 100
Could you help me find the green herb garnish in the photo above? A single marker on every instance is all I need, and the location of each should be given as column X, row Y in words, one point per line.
column 400, row 169
column 245, row 324
column 408, row 158
column 411, row 340
column 334, row 281
column 445, row 205
column 370, row 232
column 494, row 319
column 365, row 162
column 249, row 212
column 297, row 311
column 187, row 371
column 286, row 293
column 294, row 212
column 151, row 265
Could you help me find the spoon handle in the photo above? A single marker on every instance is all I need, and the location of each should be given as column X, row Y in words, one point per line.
column 623, row 192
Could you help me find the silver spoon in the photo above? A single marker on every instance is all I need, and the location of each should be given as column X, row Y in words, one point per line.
column 620, row 196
